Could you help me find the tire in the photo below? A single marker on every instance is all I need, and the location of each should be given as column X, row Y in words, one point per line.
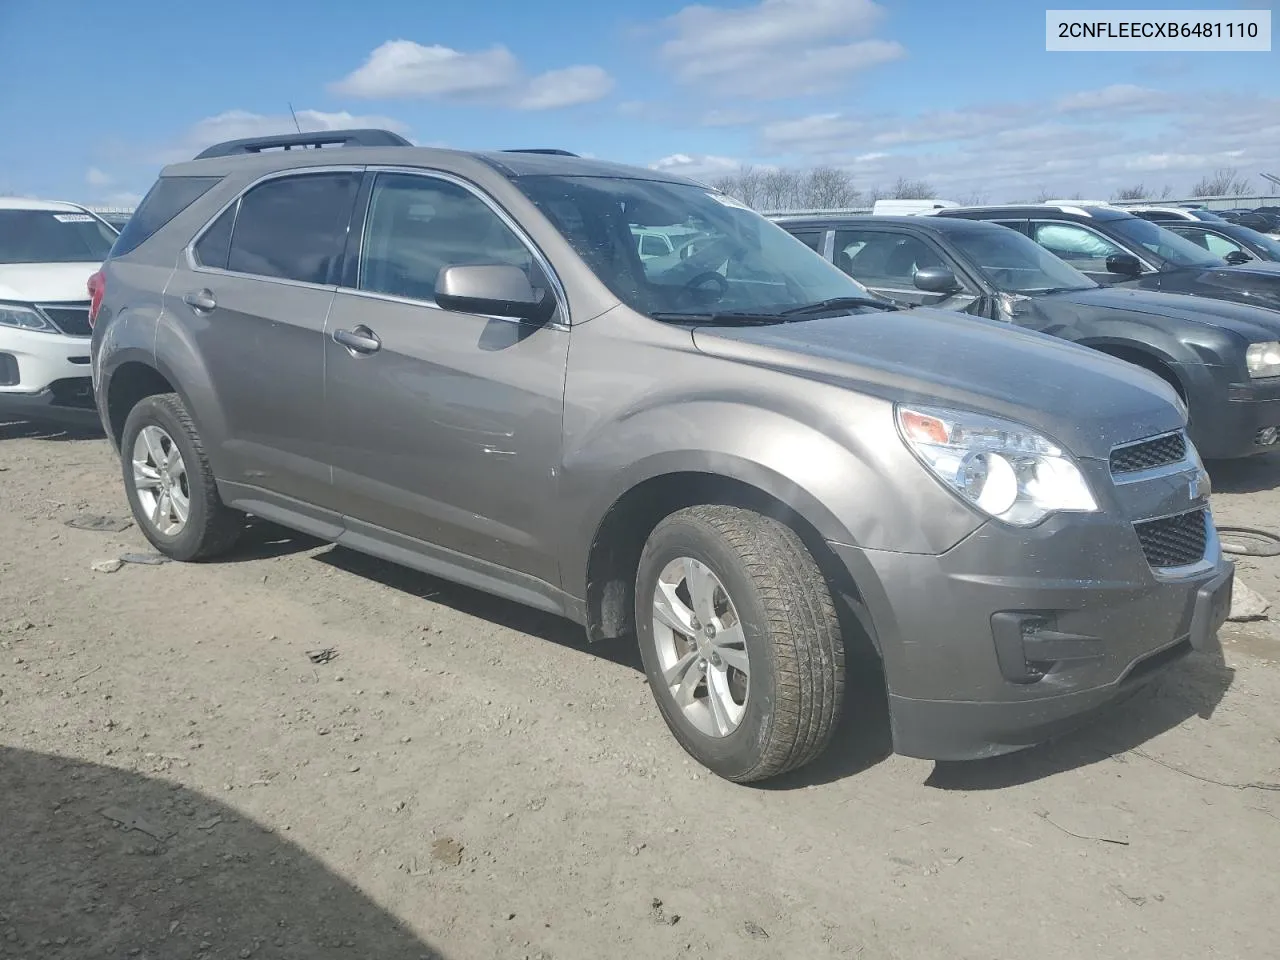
column 789, row 632
column 211, row 528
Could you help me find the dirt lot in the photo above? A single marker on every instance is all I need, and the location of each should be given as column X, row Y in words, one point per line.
column 467, row 779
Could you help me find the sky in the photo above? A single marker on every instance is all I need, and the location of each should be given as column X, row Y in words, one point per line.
column 962, row 95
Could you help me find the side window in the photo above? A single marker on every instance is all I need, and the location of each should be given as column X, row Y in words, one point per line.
column 213, row 249
column 652, row 245
column 1217, row 245
column 1081, row 247
column 883, row 259
column 810, row 238
column 295, row 227
column 417, row 225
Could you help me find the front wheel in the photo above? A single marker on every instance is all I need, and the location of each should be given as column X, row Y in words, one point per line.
column 740, row 641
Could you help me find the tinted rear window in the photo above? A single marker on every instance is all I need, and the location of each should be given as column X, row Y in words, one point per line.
column 167, row 198
column 53, row 236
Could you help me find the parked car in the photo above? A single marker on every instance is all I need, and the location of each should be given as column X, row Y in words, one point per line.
column 1163, row 215
column 48, row 249
column 1266, row 223
column 1115, row 248
column 1212, row 352
column 740, row 461
column 116, row 218
column 1231, row 241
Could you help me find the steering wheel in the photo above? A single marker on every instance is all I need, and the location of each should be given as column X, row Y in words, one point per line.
column 695, row 286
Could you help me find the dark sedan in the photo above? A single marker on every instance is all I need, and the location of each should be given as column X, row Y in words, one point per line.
column 1115, row 248
column 1222, row 358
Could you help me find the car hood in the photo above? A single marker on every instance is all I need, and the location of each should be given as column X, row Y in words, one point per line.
column 1083, row 399
column 39, row 282
column 1258, row 282
column 1250, row 322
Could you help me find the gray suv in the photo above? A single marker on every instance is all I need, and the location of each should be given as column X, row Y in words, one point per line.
column 730, row 454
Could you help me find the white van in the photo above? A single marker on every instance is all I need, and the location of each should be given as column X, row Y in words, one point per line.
column 906, row 208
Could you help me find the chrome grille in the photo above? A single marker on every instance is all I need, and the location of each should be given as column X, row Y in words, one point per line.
column 1146, row 454
column 71, row 319
column 1174, row 541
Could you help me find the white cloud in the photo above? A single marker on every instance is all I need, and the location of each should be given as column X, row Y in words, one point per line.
column 97, row 178
column 403, row 69
column 565, row 88
column 696, row 166
column 1084, row 141
column 776, row 48
column 236, row 124
column 1120, row 97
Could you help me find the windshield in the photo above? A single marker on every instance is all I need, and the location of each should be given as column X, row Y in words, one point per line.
column 1259, row 241
column 51, row 236
column 722, row 257
column 1176, row 251
column 1014, row 263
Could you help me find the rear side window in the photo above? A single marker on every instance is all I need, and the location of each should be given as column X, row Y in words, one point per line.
column 214, row 247
column 167, row 198
column 294, row 228
column 810, row 238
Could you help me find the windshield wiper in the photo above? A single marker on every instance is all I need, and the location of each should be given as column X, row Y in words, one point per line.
column 839, row 303
column 727, row 319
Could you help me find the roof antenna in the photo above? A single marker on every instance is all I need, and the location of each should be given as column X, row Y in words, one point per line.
column 295, row 118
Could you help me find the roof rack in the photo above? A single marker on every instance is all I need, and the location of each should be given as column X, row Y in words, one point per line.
column 547, row 150
column 320, row 138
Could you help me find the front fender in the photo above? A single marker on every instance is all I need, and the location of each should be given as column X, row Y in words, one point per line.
column 864, row 489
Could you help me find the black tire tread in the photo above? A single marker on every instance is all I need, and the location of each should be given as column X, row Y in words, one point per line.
column 803, row 629
column 222, row 524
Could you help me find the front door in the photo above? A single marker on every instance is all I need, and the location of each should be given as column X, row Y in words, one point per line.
column 445, row 427
column 255, row 299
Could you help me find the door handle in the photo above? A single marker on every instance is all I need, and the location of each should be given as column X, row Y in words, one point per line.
column 360, row 340
column 201, row 300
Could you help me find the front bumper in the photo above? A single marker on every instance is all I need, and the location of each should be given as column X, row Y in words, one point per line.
column 1013, row 637
column 45, row 376
column 1231, row 420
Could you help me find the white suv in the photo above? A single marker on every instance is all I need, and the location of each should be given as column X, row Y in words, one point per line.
column 48, row 251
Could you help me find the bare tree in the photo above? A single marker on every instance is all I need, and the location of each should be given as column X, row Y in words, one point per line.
column 875, row 193
column 1166, row 192
column 1225, row 181
column 726, row 183
column 905, row 189
column 1042, row 194
column 1136, row 192
column 749, row 182
column 975, row 198
column 780, row 190
column 828, row 187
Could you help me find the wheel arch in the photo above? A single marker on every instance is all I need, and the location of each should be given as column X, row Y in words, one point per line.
column 622, row 531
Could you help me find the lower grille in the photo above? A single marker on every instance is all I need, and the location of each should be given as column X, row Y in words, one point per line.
column 1174, row 541
column 73, row 392
column 71, row 319
column 1146, row 454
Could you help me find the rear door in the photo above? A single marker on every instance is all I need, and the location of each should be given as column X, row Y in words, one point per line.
column 254, row 291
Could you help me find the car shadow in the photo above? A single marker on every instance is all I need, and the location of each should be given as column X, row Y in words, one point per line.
column 1245, row 475
column 102, row 862
column 483, row 606
column 32, row 430
column 1193, row 687
column 264, row 540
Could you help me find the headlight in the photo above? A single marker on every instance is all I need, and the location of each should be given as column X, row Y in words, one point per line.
column 1006, row 470
column 24, row 318
column 1263, row 359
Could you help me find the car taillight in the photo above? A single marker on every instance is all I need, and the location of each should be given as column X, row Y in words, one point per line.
column 97, row 287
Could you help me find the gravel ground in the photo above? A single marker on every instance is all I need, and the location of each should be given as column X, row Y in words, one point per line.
column 468, row 779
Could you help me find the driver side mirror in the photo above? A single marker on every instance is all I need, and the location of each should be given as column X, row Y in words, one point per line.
column 493, row 289
column 1124, row 264
column 1237, row 257
column 936, row 280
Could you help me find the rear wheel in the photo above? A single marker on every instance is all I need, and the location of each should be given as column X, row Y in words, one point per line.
column 740, row 641
column 170, row 484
